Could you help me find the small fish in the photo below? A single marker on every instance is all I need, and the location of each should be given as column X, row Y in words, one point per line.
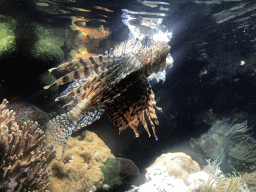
column 153, row 4
column 161, row 8
column 103, row 8
column 42, row 4
column 80, row 9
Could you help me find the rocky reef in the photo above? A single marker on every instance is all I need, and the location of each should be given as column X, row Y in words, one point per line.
column 178, row 172
column 80, row 167
column 119, row 171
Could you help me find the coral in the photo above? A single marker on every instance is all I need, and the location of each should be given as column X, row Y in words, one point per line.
column 79, row 168
column 24, row 154
column 27, row 112
column 169, row 172
column 228, row 139
column 118, row 171
column 7, row 36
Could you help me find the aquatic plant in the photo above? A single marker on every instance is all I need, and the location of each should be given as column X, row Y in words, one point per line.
column 228, row 139
column 48, row 44
column 217, row 182
column 24, row 154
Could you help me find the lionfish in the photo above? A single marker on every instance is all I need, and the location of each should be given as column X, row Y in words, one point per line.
column 117, row 81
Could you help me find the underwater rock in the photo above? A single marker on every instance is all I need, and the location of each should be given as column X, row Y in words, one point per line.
column 7, row 35
column 118, row 171
column 179, row 165
column 250, row 178
column 47, row 50
column 169, row 173
column 80, row 167
column 195, row 180
column 49, row 43
column 27, row 112
column 160, row 179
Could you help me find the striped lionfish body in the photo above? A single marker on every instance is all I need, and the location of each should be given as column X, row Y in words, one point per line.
column 117, row 81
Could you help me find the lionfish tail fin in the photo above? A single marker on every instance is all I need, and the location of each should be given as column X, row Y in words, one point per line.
column 62, row 126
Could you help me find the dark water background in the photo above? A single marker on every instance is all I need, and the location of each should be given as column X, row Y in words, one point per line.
column 207, row 75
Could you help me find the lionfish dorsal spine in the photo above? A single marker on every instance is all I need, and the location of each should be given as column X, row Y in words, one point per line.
column 84, row 68
column 75, row 64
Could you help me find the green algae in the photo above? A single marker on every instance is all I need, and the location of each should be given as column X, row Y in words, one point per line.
column 7, row 37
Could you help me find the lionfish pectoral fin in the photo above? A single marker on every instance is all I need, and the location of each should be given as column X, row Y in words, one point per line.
column 82, row 72
column 47, row 87
column 71, row 64
column 136, row 133
column 151, row 114
column 86, row 67
column 52, row 69
column 121, row 129
column 134, row 125
column 144, row 123
column 159, row 109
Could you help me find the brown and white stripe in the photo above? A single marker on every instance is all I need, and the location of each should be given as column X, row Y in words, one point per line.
column 84, row 68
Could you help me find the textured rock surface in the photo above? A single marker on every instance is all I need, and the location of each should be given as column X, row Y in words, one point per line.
column 7, row 35
column 169, row 173
column 80, row 167
column 27, row 112
column 250, row 179
column 158, row 180
column 178, row 164
column 177, row 172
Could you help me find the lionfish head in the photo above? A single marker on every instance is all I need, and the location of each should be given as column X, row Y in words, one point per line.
column 155, row 56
